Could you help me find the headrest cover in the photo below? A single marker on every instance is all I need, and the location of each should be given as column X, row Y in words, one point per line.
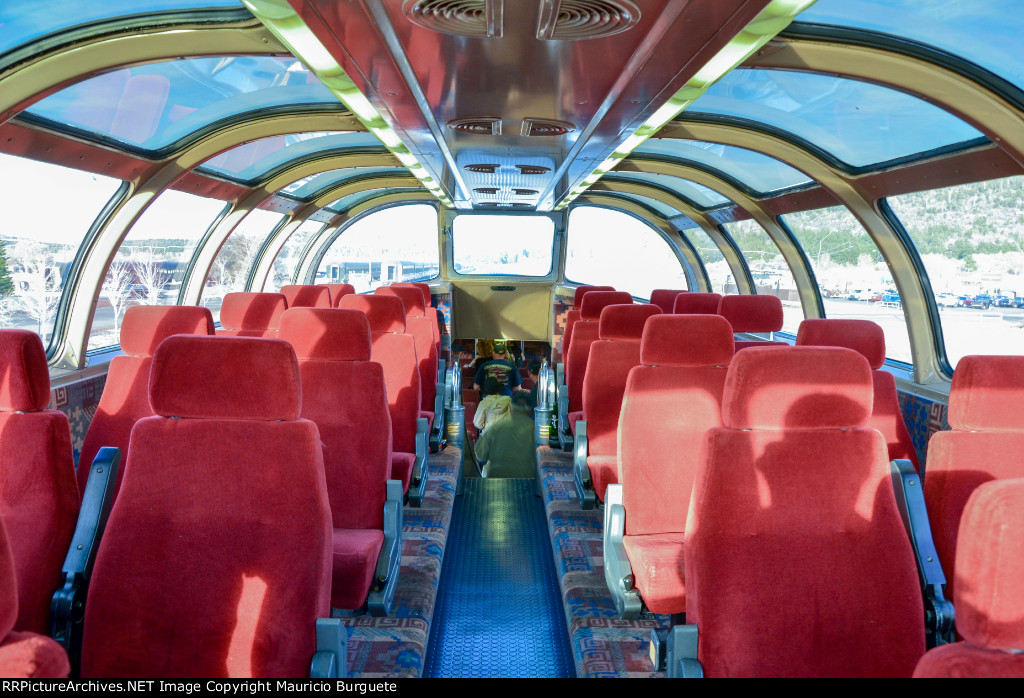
column 424, row 289
column 412, row 299
column 797, row 387
column 25, row 385
column 252, row 311
column 577, row 296
column 595, row 301
column 326, row 334
column 987, row 394
column 306, row 296
column 337, row 291
column 863, row 336
column 665, row 298
column 989, row 584
column 752, row 313
column 625, row 321
column 225, row 378
column 686, row 340
column 697, row 304
column 385, row 313
column 145, row 326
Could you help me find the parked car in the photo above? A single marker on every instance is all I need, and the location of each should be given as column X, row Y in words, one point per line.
column 891, row 300
column 1002, row 301
column 1017, row 302
column 982, row 301
column 946, row 300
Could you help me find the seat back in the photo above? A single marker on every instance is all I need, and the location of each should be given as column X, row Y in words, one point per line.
column 216, row 559
column 697, row 303
column 867, row 338
column 125, row 398
column 793, row 526
column 665, row 298
column 573, row 315
column 750, row 313
column 673, row 397
column 430, row 312
column 337, row 291
column 422, row 329
column 585, row 333
column 307, row 296
column 39, row 497
column 251, row 314
column 986, row 442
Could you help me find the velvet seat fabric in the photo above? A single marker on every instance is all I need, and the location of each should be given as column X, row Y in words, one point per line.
column 794, row 533
column 306, row 296
column 585, row 333
column 251, row 314
column 338, row 291
column 430, row 312
column 573, row 315
column 39, row 497
column 697, row 303
column 423, row 330
column 216, row 560
column 665, row 298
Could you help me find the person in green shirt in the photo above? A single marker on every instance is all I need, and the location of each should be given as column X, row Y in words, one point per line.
column 508, row 445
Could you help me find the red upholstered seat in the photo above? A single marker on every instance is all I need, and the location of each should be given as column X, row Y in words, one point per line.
column 989, row 596
column 307, row 296
column 430, row 312
column 39, row 497
column 574, row 315
column 338, row 291
column 395, row 351
column 670, row 400
column 125, row 398
column 611, row 358
column 697, row 304
column 867, row 338
column 797, row 561
column 23, row 655
column 986, row 442
column 251, row 314
column 343, row 393
column 422, row 329
column 748, row 313
column 216, row 560
column 585, row 333
column 665, row 298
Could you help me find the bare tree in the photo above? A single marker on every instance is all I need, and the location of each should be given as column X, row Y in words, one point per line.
column 152, row 278
column 117, row 288
column 37, row 282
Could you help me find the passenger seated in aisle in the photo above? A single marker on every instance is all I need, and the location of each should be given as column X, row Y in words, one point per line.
column 507, row 448
column 494, row 407
column 500, row 368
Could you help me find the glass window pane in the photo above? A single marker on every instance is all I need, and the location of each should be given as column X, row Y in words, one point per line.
column 986, row 32
column 606, row 247
column 719, row 273
column 310, row 188
column 510, row 245
column 854, row 280
column 858, row 123
column 971, row 240
column 702, row 197
column 234, row 261
column 155, row 105
column 41, row 235
column 771, row 274
column 394, row 244
column 150, row 264
column 249, row 162
column 287, row 260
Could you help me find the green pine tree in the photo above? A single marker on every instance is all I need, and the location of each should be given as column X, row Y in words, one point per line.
column 6, row 285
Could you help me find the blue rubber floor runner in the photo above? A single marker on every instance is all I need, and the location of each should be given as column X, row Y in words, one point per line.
column 499, row 609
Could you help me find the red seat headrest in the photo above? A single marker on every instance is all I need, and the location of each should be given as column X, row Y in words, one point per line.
column 798, row 388
column 686, row 340
column 595, row 301
column 989, row 586
column 225, row 378
column 326, row 334
column 665, row 298
column 987, row 394
column 577, row 296
column 306, row 296
column 625, row 321
column 338, row 291
column 252, row 311
column 385, row 313
column 145, row 326
column 697, row 304
column 25, row 385
column 752, row 313
column 863, row 336
column 412, row 299
column 424, row 289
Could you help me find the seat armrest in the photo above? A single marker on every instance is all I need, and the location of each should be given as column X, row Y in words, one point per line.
column 331, row 658
column 939, row 615
column 418, row 483
column 559, row 374
column 581, row 479
column 565, row 436
column 618, row 572
column 681, row 657
column 382, row 596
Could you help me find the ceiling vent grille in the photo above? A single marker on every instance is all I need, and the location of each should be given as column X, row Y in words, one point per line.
column 546, row 127
column 524, row 192
column 486, row 190
column 562, row 20
column 482, row 18
column 482, row 168
column 532, row 169
column 482, row 125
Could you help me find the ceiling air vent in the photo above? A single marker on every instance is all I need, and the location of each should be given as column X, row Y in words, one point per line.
column 483, row 125
column 546, row 127
column 484, row 168
column 486, row 190
column 532, row 169
column 460, row 17
column 519, row 205
column 585, row 19
column 524, row 192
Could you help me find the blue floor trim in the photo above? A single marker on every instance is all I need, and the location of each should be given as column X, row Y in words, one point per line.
column 499, row 607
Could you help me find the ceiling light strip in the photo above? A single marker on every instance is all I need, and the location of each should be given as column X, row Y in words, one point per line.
column 279, row 17
column 775, row 17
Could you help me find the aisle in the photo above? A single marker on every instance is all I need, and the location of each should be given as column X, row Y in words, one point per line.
column 499, row 610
